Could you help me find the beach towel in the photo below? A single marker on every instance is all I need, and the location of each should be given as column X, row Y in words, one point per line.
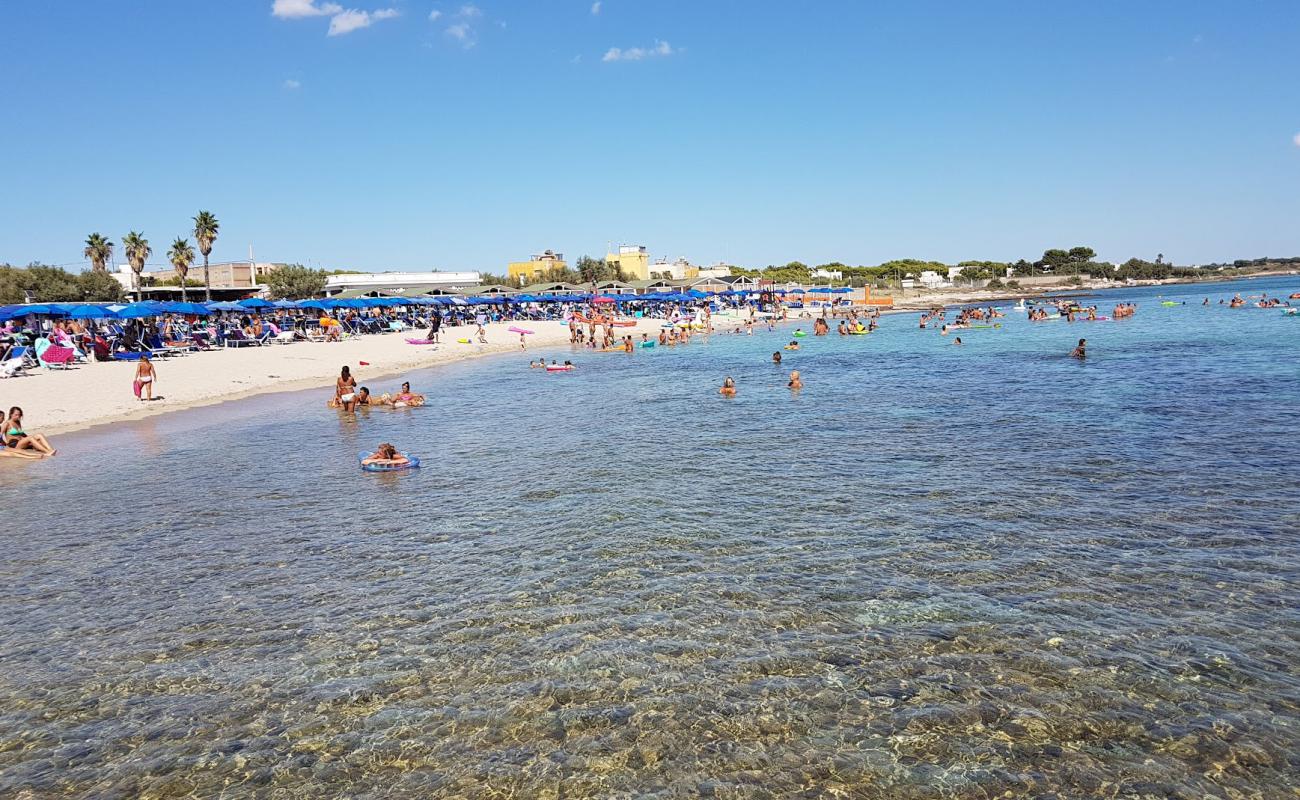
column 135, row 385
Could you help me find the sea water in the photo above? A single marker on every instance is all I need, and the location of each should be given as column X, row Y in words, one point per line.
column 937, row 571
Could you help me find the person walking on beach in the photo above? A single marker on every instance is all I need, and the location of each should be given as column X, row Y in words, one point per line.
column 435, row 323
column 1081, row 351
column 145, row 375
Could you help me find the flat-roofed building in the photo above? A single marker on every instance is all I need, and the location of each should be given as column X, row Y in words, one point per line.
column 536, row 267
column 632, row 260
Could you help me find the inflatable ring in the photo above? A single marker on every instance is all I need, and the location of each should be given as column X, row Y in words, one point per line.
column 412, row 463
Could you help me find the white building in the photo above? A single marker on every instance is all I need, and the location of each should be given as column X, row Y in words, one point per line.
column 411, row 281
column 933, row 280
column 828, row 274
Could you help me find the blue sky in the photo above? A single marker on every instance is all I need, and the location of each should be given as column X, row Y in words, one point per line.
column 383, row 135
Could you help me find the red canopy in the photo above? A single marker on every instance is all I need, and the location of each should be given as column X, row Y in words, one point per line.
column 604, row 298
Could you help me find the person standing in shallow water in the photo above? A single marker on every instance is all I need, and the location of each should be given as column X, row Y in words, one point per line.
column 1081, row 350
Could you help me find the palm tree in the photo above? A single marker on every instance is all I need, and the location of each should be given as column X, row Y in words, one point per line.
column 99, row 250
column 205, row 233
column 181, row 255
column 137, row 250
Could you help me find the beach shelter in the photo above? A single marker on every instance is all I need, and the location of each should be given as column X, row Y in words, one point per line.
column 176, row 307
column 45, row 309
column 89, row 311
column 139, row 310
column 319, row 305
column 255, row 303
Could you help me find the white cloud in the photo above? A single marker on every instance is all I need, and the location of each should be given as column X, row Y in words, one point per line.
column 639, row 53
column 353, row 20
column 469, row 12
column 434, row 14
column 1296, row 139
column 290, row 83
column 595, row 7
column 297, row 9
column 462, row 33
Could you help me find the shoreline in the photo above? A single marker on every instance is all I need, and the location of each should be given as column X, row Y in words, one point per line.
column 207, row 381
column 388, row 356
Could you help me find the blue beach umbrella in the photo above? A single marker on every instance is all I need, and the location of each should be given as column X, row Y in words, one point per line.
column 138, row 311
column 224, row 306
column 319, row 305
column 88, row 311
column 284, row 304
column 255, row 303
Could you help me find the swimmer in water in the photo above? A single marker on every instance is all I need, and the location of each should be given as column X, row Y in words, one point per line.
column 795, row 381
column 776, row 357
column 385, row 456
column 957, row 340
column 1081, row 351
column 728, row 387
column 792, row 346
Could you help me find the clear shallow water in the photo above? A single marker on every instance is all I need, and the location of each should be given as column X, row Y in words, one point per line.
column 937, row 572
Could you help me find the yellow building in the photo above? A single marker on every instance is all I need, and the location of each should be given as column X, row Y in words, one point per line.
column 536, row 267
column 633, row 262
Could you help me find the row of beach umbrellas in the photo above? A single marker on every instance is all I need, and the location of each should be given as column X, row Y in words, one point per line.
column 154, row 308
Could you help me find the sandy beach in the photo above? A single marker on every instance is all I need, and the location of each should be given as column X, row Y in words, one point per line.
column 100, row 393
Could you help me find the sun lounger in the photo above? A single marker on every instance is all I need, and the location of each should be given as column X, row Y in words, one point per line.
column 19, row 359
column 236, row 338
column 57, row 357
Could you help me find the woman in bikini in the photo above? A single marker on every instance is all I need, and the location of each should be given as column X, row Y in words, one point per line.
column 345, row 391
column 145, row 374
column 17, row 439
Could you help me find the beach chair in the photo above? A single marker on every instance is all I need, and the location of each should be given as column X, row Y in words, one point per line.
column 57, row 357
column 236, row 338
column 283, row 337
column 18, row 359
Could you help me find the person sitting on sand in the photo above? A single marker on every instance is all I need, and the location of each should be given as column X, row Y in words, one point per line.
column 1081, row 350
column 776, row 357
column 795, row 381
column 385, row 456
column 728, row 387
column 15, row 438
column 145, row 375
